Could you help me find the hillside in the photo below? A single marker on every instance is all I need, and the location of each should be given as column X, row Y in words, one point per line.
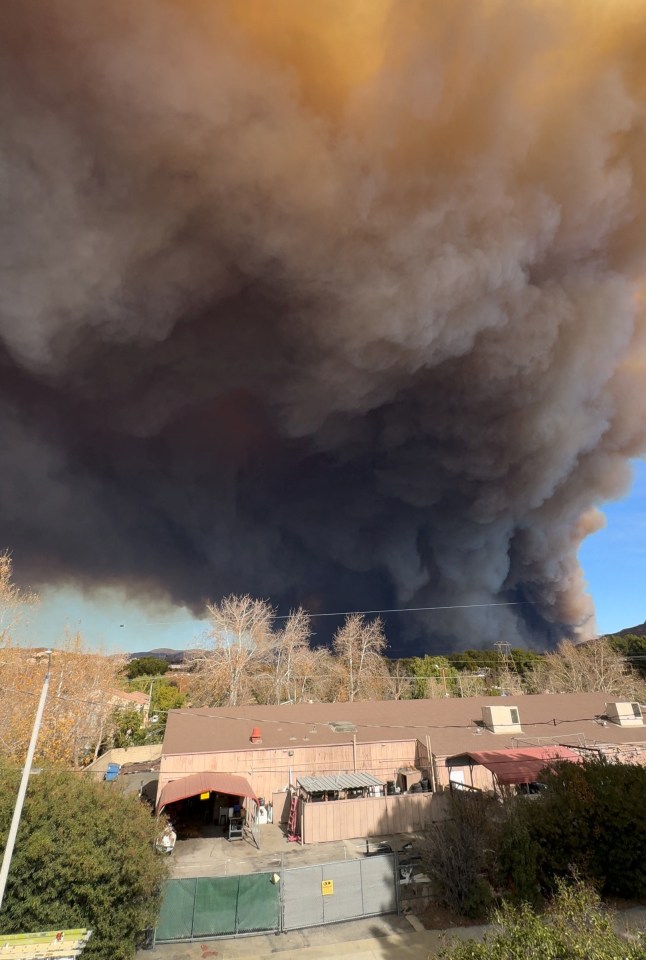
column 638, row 631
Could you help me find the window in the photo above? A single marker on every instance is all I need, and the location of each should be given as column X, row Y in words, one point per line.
column 637, row 710
column 456, row 779
column 514, row 715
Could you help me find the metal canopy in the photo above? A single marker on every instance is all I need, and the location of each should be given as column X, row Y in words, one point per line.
column 204, row 782
column 342, row 781
column 522, row 766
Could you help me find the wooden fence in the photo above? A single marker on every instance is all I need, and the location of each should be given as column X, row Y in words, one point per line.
column 369, row 817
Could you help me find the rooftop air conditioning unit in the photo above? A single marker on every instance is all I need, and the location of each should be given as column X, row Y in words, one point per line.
column 501, row 719
column 625, row 714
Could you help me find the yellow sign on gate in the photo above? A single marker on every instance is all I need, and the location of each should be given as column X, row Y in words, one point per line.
column 327, row 887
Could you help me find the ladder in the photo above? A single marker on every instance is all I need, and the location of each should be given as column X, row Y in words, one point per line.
column 292, row 835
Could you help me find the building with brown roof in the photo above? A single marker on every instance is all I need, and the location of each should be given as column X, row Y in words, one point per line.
column 399, row 742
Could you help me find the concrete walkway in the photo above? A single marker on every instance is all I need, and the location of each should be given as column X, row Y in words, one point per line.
column 376, row 938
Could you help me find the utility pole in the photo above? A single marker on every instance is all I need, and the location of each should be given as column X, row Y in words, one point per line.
column 507, row 664
column 22, row 790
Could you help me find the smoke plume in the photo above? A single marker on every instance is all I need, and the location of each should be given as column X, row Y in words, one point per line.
column 332, row 302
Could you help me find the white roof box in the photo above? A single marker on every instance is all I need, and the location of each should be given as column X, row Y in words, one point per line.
column 625, row 713
column 501, row 719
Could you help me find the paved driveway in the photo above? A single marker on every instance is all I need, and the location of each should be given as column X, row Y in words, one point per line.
column 214, row 856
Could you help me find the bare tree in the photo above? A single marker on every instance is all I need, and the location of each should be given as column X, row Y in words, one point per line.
column 240, row 642
column 13, row 601
column 586, row 667
column 359, row 646
column 291, row 658
column 456, row 853
column 400, row 682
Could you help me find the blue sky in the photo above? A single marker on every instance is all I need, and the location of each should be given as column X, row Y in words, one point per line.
column 614, row 562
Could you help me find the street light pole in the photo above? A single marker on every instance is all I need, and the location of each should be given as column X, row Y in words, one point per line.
column 15, row 822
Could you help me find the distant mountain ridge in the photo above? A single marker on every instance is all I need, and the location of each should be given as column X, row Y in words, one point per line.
column 179, row 656
column 638, row 631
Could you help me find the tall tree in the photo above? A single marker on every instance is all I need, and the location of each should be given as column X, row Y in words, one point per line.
column 282, row 678
column 359, row 646
column 240, row 641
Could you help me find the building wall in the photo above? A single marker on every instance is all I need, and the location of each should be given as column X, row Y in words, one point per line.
column 121, row 755
column 271, row 770
column 369, row 817
column 475, row 775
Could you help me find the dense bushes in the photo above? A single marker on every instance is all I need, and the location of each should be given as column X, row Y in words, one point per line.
column 588, row 823
column 590, row 819
column 84, row 857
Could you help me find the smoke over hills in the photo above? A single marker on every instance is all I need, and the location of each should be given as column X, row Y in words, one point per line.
column 335, row 303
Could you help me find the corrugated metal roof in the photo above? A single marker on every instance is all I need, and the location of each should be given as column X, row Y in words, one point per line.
column 342, row 781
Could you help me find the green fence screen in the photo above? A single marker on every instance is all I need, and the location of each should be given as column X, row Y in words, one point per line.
column 176, row 914
column 258, row 904
column 216, row 902
column 218, row 907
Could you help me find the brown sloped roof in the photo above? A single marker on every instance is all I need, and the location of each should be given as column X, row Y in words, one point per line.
column 450, row 724
column 130, row 696
column 522, row 765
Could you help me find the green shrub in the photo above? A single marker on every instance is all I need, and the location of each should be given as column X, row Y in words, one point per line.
column 84, row 857
column 574, row 927
column 591, row 818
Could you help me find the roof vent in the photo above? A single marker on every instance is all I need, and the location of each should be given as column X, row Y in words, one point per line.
column 501, row 719
column 342, row 726
column 256, row 735
column 625, row 714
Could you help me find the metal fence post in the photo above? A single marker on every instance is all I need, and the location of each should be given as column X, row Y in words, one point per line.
column 397, row 890
column 281, row 897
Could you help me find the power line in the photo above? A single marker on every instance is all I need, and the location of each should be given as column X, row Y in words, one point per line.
column 456, row 606
column 352, row 613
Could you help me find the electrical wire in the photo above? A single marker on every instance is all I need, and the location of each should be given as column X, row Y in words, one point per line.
column 353, row 613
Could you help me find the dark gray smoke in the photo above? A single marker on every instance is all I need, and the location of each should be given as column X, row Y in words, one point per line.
column 334, row 303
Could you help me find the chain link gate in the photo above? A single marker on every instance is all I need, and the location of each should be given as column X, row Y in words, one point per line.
column 225, row 907
column 344, row 890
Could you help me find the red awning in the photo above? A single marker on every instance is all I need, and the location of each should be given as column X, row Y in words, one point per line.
column 522, row 765
column 204, row 782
